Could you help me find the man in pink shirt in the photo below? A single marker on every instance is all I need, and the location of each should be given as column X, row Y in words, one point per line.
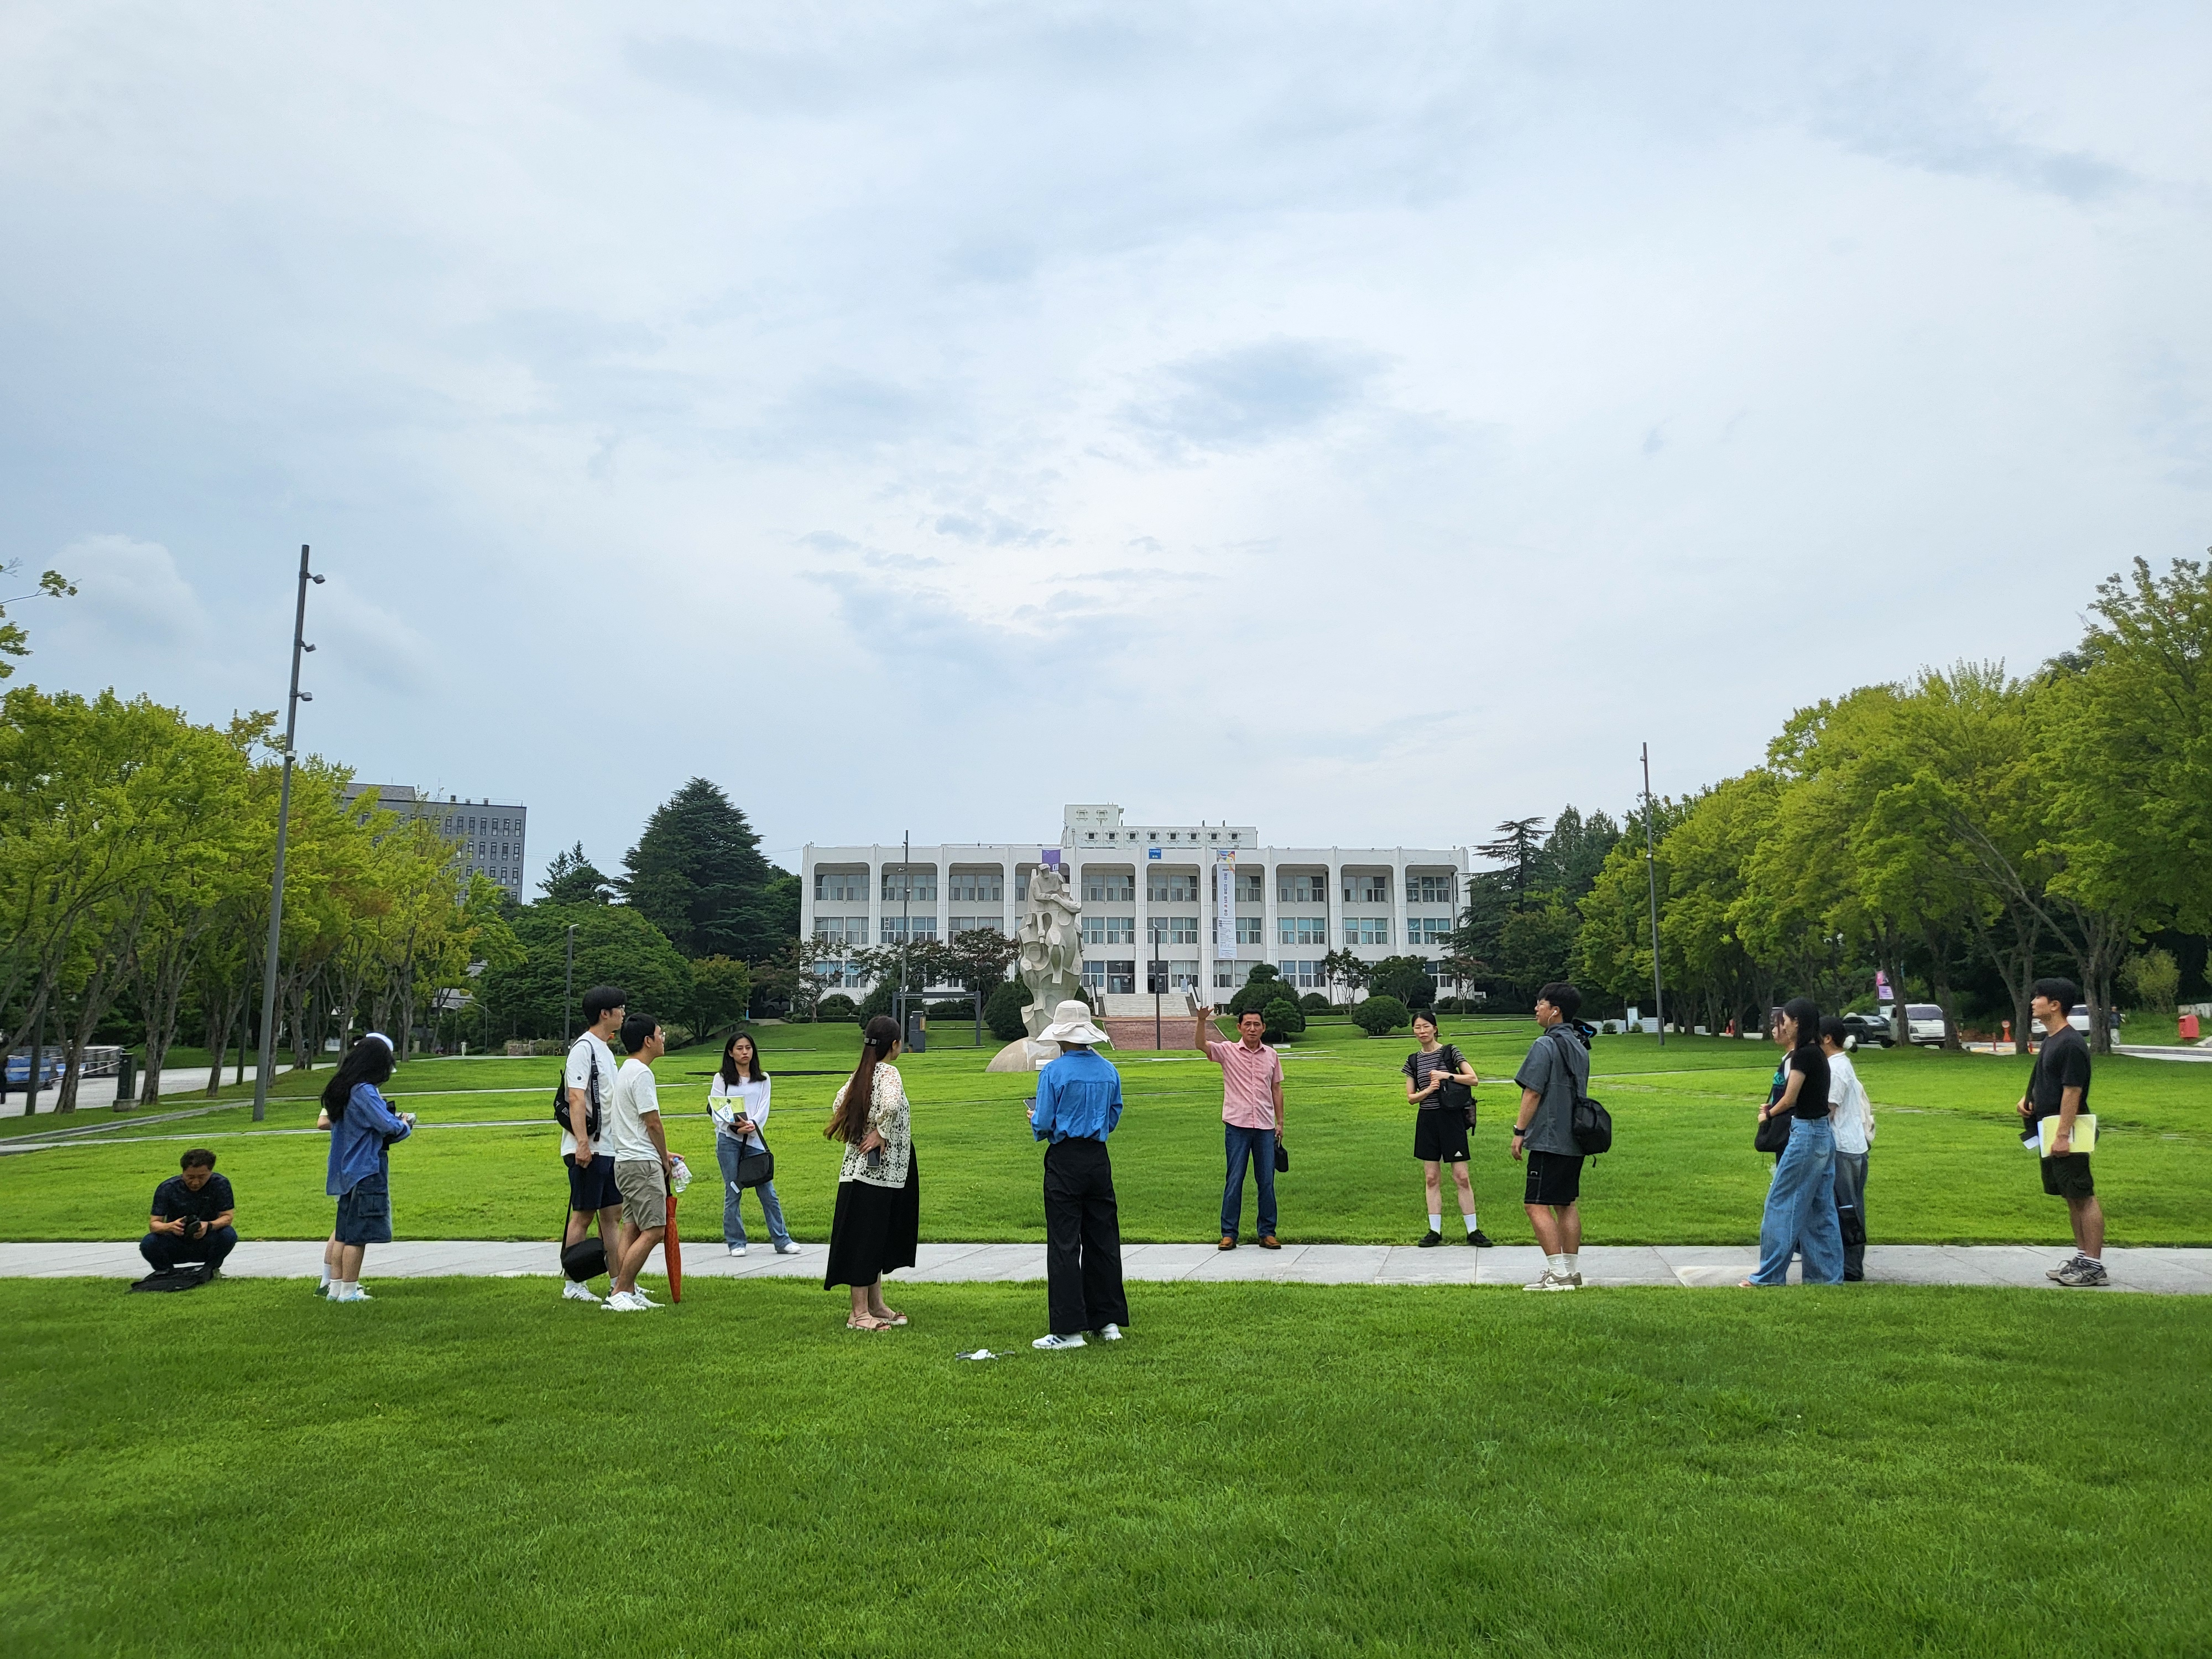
column 1251, row 1120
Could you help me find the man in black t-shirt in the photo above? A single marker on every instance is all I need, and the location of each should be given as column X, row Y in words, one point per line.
column 2059, row 1087
column 191, row 1217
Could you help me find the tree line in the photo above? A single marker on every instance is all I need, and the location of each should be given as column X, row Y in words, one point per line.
column 1963, row 833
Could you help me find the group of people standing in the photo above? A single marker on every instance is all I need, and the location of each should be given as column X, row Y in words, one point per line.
column 1817, row 1119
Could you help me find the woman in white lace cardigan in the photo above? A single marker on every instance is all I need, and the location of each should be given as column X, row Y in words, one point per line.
column 878, row 1220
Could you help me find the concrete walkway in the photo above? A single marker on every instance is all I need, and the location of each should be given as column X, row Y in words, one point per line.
column 2171, row 1272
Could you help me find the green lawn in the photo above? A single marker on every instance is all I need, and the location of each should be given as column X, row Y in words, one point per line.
column 475, row 1468
column 1947, row 1163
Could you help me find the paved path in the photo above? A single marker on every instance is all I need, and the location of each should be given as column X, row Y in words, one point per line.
column 2183, row 1272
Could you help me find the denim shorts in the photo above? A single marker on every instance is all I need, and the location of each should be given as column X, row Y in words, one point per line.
column 365, row 1211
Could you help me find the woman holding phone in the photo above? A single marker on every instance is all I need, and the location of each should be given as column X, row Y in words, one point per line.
column 363, row 1128
column 878, row 1225
column 737, row 1101
column 1440, row 1085
column 1800, row 1203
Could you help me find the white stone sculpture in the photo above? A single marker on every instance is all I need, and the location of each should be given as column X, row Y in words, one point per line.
column 1051, row 967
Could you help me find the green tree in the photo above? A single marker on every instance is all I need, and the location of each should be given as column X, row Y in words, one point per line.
column 1406, row 978
column 1262, row 986
column 1285, row 1020
column 572, row 878
column 1519, row 844
column 720, row 991
column 697, row 873
column 1378, row 1016
column 13, row 641
column 615, row 945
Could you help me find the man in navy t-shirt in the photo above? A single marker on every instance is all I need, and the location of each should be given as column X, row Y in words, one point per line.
column 191, row 1217
column 2059, row 1087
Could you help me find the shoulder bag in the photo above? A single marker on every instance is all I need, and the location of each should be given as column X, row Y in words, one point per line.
column 1589, row 1122
column 588, row 1257
column 590, row 1094
column 756, row 1169
column 1458, row 1094
column 1773, row 1135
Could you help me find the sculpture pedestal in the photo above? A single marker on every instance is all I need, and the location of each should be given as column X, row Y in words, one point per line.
column 1024, row 1054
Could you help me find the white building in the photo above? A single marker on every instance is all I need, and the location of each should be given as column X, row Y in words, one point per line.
column 1151, row 892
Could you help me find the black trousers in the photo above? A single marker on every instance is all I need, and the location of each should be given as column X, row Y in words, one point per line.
column 1082, row 1238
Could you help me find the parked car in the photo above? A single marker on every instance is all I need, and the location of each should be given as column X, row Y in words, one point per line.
column 2079, row 1017
column 1923, row 1024
column 1874, row 1029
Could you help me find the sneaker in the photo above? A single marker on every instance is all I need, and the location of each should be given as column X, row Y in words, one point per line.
column 1551, row 1281
column 786, row 1249
column 1480, row 1240
column 354, row 1294
column 1575, row 1282
column 1055, row 1342
column 322, row 1289
column 618, row 1302
column 1430, row 1240
column 1109, row 1333
column 2058, row 1273
column 642, row 1299
column 573, row 1291
column 737, row 1249
column 2082, row 1271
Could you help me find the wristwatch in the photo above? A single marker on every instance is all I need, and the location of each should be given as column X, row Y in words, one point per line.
column 1519, row 1133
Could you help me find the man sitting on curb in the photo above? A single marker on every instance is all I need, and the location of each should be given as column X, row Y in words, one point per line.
column 1078, row 1102
column 191, row 1218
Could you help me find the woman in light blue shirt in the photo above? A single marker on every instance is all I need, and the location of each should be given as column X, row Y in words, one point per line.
column 363, row 1128
column 738, row 1098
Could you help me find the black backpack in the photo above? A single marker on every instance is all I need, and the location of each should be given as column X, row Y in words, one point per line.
column 590, row 1094
column 1589, row 1123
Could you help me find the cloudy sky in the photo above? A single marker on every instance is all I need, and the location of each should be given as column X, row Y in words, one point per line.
column 1369, row 422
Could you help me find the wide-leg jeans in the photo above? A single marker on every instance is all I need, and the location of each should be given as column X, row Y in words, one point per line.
column 727, row 1150
column 1801, row 1209
column 1082, row 1238
column 1257, row 1145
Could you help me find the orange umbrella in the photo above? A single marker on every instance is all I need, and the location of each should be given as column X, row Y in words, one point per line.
column 672, row 1251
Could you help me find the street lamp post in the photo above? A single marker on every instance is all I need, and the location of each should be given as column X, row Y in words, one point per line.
column 1155, row 972
column 1651, row 877
column 300, row 646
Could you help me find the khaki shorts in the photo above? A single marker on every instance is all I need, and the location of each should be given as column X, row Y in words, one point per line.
column 643, row 1185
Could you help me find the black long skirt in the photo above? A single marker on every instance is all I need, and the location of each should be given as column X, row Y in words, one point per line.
column 875, row 1230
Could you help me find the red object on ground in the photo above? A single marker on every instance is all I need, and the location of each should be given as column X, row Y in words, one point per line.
column 2188, row 1032
column 672, row 1251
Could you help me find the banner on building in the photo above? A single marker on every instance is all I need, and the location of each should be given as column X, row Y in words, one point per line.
column 1224, row 907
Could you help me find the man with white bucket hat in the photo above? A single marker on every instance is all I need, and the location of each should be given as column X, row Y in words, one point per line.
column 1078, row 1102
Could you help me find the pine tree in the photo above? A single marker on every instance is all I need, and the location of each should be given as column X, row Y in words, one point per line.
column 572, row 878
column 697, row 873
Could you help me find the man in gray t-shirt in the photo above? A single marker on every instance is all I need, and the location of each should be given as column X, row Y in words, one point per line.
column 1556, row 1072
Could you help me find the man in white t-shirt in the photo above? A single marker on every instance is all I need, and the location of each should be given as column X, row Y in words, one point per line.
column 643, row 1165
column 589, row 1079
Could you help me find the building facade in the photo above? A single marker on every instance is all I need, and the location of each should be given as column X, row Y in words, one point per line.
column 1206, row 901
column 491, row 836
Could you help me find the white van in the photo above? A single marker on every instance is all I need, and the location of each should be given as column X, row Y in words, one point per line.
column 1923, row 1024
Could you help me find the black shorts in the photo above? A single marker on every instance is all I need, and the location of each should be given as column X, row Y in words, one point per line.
column 2069, row 1176
column 1554, row 1178
column 1440, row 1135
column 592, row 1187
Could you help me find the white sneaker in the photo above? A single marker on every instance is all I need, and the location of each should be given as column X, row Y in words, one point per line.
column 1075, row 1341
column 1109, row 1333
column 786, row 1249
column 575, row 1290
column 642, row 1299
column 737, row 1249
column 354, row 1294
column 618, row 1302
column 1551, row 1282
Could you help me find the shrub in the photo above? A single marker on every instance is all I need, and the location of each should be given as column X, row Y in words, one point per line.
column 1265, row 986
column 1002, row 1010
column 836, row 1005
column 1313, row 1002
column 960, row 1008
column 1284, row 1020
column 2155, row 979
column 1380, row 1016
column 877, row 1001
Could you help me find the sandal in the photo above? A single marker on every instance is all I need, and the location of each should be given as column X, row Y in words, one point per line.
column 890, row 1316
column 868, row 1323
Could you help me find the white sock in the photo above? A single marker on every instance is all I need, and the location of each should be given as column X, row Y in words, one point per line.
column 1574, row 1260
column 1435, row 1221
column 1470, row 1221
column 326, row 1278
column 1557, row 1264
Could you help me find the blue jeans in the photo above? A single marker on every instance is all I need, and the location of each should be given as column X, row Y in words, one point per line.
column 1801, row 1209
column 726, row 1148
column 1258, row 1145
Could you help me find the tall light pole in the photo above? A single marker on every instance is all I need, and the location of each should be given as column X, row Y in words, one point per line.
column 1651, row 877
column 300, row 646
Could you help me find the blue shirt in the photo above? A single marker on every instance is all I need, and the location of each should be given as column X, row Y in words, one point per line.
column 358, row 1139
column 1079, row 1097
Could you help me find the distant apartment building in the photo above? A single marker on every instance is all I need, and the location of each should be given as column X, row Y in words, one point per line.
column 1206, row 901
column 491, row 836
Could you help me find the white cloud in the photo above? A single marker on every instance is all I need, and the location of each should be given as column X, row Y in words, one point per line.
column 131, row 596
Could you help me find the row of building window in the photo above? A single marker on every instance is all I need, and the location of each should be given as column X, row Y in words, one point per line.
column 1123, row 930
column 966, row 887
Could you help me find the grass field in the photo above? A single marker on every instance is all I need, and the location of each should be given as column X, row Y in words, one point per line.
column 475, row 1468
column 1946, row 1165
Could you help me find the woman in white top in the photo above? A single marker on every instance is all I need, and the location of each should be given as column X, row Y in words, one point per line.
column 877, row 1221
column 1850, row 1114
column 737, row 1099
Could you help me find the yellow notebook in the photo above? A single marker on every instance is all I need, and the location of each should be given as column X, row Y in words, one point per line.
column 2085, row 1132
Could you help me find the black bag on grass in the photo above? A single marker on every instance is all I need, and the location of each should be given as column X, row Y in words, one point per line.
column 186, row 1276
